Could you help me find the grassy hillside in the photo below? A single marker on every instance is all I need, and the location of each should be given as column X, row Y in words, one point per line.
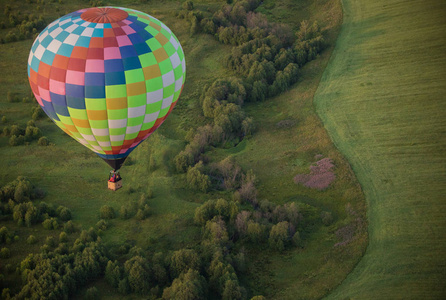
column 382, row 100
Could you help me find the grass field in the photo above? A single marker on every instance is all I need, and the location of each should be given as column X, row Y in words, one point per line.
column 382, row 100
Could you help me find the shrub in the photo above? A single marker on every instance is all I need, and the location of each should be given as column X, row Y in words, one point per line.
column 107, row 212
column 188, row 5
column 124, row 212
column 5, row 253
column 50, row 241
column 31, row 240
column 279, row 235
column 43, row 141
column 64, row 213
column 50, row 224
column 196, row 180
column 69, row 227
column 4, row 120
column 63, row 237
column 327, row 218
column 92, row 294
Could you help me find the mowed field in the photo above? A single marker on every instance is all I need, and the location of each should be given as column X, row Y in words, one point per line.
column 382, row 100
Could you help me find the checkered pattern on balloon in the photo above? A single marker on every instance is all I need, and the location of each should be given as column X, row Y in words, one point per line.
column 108, row 77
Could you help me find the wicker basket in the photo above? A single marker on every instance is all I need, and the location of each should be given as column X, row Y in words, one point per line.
column 115, row 185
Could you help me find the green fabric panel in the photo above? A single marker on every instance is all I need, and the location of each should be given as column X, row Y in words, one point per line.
column 169, row 90
column 101, row 138
column 66, row 120
column 78, row 113
column 180, row 53
column 77, row 135
column 86, row 131
column 117, row 131
column 178, row 72
column 146, row 126
column 117, row 144
column 163, row 112
column 116, row 91
column 176, row 95
column 166, row 33
column 135, row 101
column 99, row 124
column 135, row 121
column 153, row 42
column 117, row 114
column 132, row 76
column 170, row 50
column 165, row 66
column 154, row 84
column 131, row 136
column 95, row 104
column 153, row 107
column 147, row 59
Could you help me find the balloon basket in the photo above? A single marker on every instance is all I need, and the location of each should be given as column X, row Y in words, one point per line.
column 115, row 185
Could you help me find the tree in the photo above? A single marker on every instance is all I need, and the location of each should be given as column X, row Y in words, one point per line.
column 63, row 237
column 255, row 232
column 113, row 273
column 215, row 231
column 31, row 240
column 64, row 213
column 190, row 285
column 138, row 272
column 183, row 260
column 279, row 235
column 197, row 180
column 107, row 212
column 124, row 212
column 232, row 290
column 5, row 253
column 92, row 294
column 43, row 141
column 188, row 5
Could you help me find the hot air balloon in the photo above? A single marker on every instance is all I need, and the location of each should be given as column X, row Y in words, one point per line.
column 108, row 77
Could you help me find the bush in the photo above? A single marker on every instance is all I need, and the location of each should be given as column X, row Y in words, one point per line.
column 50, row 224
column 63, row 237
column 188, row 5
column 107, row 212
column 4, row 120
column 196, row 180
column 69, row 227
column 92, row 294
column 124, row 213
column 50, row 241
column 5, row 253
column 64, row 213
column 327, row 218
column 279, row 235
column 16, row 140
column 31, row 240
column 43, row 141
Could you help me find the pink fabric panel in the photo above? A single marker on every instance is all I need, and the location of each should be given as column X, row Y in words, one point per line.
column 123, row 40
column 94, row 66
column 75, row 77
column 128, row 30
column 39, row 100
column 57, row 87
column 45, row 94
column 112, row 53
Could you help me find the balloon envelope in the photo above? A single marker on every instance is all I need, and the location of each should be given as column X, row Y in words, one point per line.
column 108, row 77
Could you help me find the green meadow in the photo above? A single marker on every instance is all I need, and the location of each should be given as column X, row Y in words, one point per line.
column 382, row 100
